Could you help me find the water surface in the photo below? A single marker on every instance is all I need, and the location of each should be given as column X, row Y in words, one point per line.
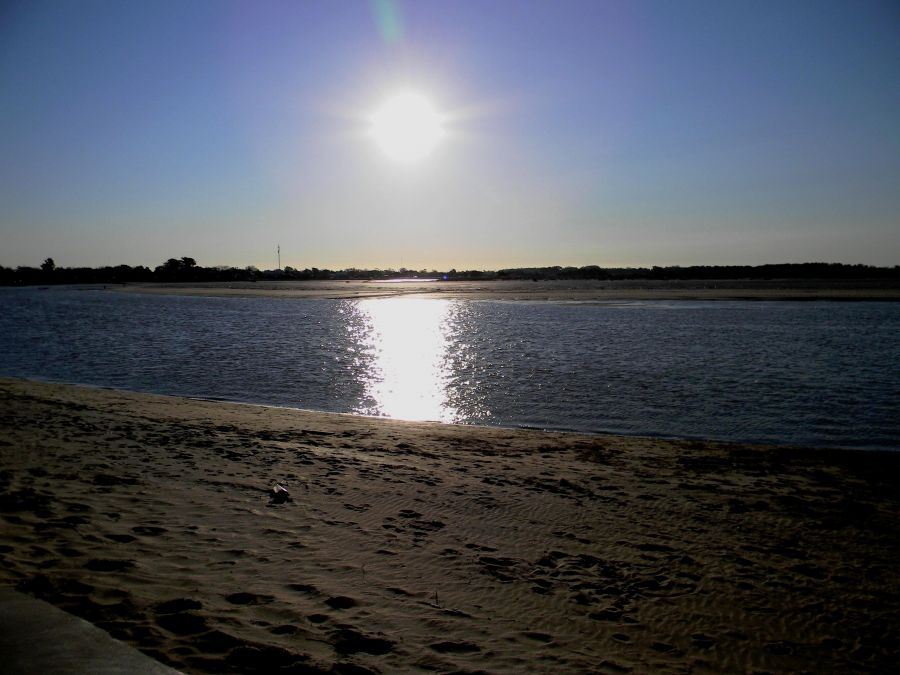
column 811, row 373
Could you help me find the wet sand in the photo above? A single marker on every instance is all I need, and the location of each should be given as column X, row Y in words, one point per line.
column 541, row 291
column 413, row 547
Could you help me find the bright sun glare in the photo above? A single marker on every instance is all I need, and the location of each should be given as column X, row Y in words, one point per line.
column 407, row 127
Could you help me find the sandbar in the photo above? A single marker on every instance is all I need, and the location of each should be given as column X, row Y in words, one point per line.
column 539, row 291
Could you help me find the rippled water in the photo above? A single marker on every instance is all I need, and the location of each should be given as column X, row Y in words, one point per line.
column 813, row 373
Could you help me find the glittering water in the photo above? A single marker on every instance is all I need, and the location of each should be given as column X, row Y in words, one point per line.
column 813, row 373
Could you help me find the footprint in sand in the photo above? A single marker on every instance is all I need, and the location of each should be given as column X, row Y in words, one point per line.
column 149, row 530
column 121, row 538
column 108, row 480
column 349, row 641
column 538, row 637
column 183, row 623
column 284, row 629
column 702, row 640
column 105, row 565
column 303, row 588
column 177, row 605
column 340, row 602
column 499, row 568
column 478, row 547
column 248, row 599
column 78, row 508
column 455, row 647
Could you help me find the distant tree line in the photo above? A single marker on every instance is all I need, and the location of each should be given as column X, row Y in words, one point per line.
column 186, row 269
column 811, row 270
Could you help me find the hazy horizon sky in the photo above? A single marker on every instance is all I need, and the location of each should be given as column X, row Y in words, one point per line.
column 577, row 132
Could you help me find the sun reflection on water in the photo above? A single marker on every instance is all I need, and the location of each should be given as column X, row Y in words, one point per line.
column 409, row 372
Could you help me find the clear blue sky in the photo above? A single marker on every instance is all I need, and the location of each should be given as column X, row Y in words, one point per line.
column 579, row 132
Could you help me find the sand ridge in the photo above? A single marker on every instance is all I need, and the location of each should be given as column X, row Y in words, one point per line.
column 586, row 291
column 415, row 547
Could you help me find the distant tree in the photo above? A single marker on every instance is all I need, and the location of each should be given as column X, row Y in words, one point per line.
column 169, row 270
column 186, row 269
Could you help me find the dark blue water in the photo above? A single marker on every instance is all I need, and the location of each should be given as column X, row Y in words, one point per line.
column 809, row 373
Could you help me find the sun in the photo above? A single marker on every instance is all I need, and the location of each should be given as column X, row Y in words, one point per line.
column 406, row 127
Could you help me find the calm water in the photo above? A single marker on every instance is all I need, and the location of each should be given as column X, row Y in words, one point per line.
column 813, row 373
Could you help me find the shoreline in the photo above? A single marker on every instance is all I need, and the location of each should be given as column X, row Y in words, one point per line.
column 524, row 428
column 413, row 546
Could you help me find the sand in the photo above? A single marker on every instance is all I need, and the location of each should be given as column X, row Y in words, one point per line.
column 414, row 547
column 541, row 291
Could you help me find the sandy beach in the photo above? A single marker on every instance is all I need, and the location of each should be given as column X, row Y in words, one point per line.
column 540, row 291
column 417, row 547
